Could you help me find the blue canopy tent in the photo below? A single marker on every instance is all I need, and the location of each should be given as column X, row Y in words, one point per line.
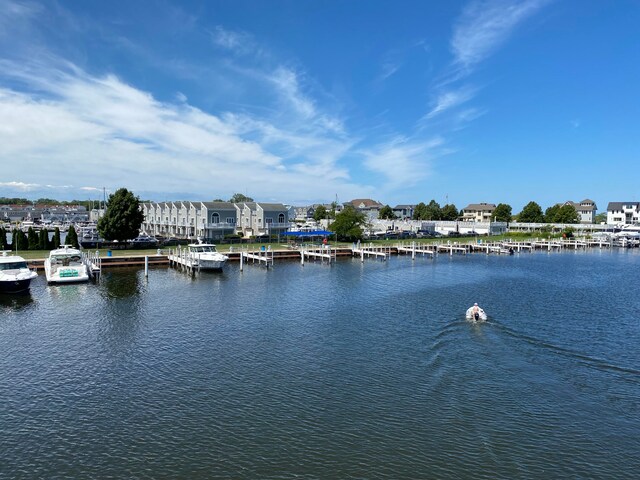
column 311, row 234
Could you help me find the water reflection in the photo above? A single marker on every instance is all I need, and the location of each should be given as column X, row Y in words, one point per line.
column 120, row 284
column 122, row 289
column 16, row 301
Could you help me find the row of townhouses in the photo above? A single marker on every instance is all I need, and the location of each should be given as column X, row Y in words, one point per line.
column 214, row 220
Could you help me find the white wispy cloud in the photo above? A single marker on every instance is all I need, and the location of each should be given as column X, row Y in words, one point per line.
column 20, row 186
column 287, row 83
column 105, row 131
column 485, row 24
column 404, row 161
column 238, row 42
column 450, row 99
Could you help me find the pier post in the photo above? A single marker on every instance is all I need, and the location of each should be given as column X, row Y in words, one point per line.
column 146, row 265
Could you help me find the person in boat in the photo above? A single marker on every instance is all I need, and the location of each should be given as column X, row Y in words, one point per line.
column 476, row 312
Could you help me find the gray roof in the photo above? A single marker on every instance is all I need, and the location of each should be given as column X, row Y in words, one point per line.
column 402, row 207
column 272, row 206
column 219, row 205
column 480, row 206
column 618, row 205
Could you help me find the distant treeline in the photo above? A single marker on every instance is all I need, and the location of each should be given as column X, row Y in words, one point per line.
column 88, row 204
column 35, row 240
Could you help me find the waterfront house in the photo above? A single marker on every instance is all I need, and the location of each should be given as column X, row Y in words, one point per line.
column 625, row 213
column 371, row 208
column 404, row 211
column 304, row 213
column 478, row 212
column 259, row 219
column 218, row 219
column 586, row 210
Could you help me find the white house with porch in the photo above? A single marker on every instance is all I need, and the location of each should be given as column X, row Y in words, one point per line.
column 624, row 213
column 478, row 212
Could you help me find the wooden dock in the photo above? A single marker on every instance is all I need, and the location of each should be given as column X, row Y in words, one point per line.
column 451, row 248
column 322, row 253
column 261, row 256
column 371, row 251
column 416, row 249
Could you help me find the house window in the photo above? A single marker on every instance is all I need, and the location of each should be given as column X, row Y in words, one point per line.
column 231, row 220
column 281, row 218
column 215, row 218
column 268, row 220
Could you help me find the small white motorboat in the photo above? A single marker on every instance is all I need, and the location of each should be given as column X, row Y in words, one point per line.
column 206, row 257
column 15, row 275
column 476, row 314
column 65, row 265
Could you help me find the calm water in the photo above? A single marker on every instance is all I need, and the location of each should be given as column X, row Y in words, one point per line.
column 346, row 371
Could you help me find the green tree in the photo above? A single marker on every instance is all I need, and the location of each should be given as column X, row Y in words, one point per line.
column 56, row 239
column 239, row 198
column 72, row 237
column 531, row 213
column 3, row 239
column 601, row 218
column 386, row 213
column 348, row 224
column 434, row 212
column 46, row 201
column 19, row 240
column 43, row 239
column 32, row 239
column 122, row 218
column 502, row 213
column 551, row 213
column 320, row 213
column 420, row 212
column 217, row 200
column 449, row 212
column 567, row 214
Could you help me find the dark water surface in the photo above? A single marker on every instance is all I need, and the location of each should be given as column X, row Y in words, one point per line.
column 346, row 371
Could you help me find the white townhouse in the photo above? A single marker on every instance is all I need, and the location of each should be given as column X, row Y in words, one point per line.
column 478, row 212
column 259, row 219
column 625, row 213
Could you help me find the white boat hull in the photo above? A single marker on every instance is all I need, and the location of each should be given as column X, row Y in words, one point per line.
column 66, row 274
column 482, row 316
column 65, row 265
column 205, row 263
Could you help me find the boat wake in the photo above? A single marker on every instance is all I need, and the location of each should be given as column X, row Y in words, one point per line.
column 587, row 360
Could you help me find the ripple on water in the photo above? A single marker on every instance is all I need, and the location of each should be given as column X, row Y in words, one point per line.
column 363, row 370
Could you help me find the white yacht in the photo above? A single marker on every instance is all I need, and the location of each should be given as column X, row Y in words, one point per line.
column 65, row 265
column 206, row 256
column 15, row 276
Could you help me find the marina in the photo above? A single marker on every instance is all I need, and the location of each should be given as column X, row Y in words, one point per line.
column 354, row 370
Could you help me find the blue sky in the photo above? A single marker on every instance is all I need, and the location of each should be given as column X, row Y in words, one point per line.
column 298, row 102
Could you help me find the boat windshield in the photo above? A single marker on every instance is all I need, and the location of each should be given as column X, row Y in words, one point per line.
column 66, row 260
column 203, row 249
column 13, row 265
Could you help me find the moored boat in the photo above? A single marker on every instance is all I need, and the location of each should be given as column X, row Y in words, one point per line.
column 65, row 265
column 206, row 256
column 15, row 275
